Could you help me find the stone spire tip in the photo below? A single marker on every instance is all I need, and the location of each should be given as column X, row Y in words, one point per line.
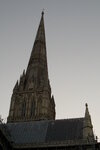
column 42, row 12
column 86, row 105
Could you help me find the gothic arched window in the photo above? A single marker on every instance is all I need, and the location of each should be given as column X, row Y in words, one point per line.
column 32, row 113
column 23, row 109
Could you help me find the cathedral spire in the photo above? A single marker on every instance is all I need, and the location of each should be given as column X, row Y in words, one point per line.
column 41, row 30
column 40, row 41
column 33, row 100
column 38, row 57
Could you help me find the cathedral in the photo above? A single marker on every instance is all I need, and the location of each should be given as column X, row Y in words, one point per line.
column 32, row 123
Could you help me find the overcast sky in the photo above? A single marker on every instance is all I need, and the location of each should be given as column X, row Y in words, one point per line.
column 73, row 50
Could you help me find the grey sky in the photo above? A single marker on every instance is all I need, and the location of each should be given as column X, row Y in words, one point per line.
column 73, row 47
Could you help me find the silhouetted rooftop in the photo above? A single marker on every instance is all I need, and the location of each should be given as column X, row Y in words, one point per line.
column 45, row 131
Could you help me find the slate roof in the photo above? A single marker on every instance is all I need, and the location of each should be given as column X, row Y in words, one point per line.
column 45, row 131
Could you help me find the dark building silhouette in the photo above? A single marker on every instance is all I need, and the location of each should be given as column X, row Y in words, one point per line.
column 31, row 98
column 31, row 122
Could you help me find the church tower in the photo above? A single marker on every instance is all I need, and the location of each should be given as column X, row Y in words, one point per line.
column 31, row 98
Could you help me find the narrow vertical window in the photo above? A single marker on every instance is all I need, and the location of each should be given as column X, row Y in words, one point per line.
column 23, row 109
column 32, row 113
column 39, row 105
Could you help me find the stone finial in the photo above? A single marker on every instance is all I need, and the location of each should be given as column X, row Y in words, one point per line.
column 86, row 105
column 42, row 12
column 87, row 111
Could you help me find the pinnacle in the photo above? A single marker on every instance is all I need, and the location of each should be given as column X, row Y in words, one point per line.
column 86, row 105
column 87, row 111
column 42, row 13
